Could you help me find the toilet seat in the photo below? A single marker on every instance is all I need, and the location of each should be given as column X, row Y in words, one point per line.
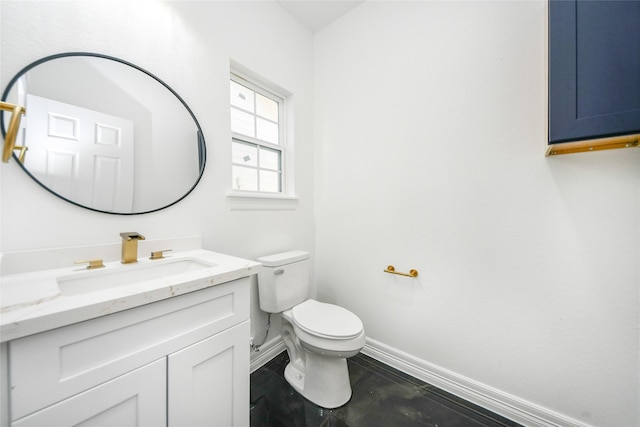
column 326, row 320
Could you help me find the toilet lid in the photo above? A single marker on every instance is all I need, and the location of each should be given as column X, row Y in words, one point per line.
column 326, row 320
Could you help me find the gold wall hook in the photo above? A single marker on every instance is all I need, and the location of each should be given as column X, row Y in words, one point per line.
column 391, row 269
column 22, row 152
column 12, row 130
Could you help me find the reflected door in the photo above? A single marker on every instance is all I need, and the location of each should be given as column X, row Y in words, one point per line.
column 83, row 155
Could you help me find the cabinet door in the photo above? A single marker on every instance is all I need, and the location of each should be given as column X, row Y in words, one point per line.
column 209, row 381
column 134, row 399
column 594, row 69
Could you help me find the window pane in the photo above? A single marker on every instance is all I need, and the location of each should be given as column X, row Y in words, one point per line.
column 245, row 178
column 244, row 154
column 267, row 108
column 267, row 131
column 269, row 159
column 257, row 154
column 241, row 96
column 242, row 123
column 269, row 181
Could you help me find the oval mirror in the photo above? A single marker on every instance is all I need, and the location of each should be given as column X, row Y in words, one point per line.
column 104, row 134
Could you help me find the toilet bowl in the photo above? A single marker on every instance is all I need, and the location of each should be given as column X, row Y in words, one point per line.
column 319, row 337
column 326, row 328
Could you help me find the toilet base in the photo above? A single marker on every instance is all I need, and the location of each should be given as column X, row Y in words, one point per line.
column 324, row 381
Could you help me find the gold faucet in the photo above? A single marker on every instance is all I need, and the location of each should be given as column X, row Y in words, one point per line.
column 130, row 246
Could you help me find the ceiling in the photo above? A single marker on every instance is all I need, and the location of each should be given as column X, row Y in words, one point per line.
column 317, row 14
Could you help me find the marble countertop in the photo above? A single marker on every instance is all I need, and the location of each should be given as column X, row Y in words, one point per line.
column 33, row 303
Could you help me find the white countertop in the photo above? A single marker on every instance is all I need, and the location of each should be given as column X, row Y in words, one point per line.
column 32, row 302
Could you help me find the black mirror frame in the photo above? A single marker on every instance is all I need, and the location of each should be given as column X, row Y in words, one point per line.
column 202, row 152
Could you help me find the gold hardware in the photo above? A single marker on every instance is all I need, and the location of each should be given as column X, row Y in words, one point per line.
column 93, row 263
column 12, row 130
column 130, row 246
column 159, row 254
column 627, row 141
column 23, row 151
column 391, row 269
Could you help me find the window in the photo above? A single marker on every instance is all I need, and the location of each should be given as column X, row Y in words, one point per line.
column 258, row 148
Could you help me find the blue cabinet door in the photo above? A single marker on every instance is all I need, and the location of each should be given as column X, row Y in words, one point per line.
column 594, row 69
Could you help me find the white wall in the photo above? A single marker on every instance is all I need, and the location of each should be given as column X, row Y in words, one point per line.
column 430, row 129
column 188, row 45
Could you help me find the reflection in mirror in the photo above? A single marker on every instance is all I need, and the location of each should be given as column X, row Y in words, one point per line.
column 105, row 134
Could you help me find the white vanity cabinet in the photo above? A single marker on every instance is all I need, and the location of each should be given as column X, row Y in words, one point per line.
column 183, row 361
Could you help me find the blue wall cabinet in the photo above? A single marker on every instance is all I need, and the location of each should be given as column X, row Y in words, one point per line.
column 594, row 70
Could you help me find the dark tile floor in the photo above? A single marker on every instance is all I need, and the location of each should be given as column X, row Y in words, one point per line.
column 382, row 397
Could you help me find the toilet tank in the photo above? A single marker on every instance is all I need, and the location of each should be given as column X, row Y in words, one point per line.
column 283, row 282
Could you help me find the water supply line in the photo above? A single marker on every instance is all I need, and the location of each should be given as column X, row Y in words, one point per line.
column 256, row 347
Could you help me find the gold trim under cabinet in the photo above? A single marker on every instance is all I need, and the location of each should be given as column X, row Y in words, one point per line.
column 12, row 130
column 626, row 141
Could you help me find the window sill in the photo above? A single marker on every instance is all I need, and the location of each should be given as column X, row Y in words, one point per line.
column 249, row 201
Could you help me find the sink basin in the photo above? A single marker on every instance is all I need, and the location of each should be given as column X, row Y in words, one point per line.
column 97, row 280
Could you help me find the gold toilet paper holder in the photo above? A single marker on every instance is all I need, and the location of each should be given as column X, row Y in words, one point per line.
column 391, row 269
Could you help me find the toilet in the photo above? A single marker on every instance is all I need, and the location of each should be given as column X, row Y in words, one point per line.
column 319, row 337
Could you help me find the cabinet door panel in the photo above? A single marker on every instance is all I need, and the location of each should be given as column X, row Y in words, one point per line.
column 136, row 399
column 594, row 69
column 209, row 381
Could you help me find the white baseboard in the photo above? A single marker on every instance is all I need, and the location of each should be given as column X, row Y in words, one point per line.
column 511, row 407
column 268, row 351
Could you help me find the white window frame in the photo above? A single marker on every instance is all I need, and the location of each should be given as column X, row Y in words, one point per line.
column 284, row 199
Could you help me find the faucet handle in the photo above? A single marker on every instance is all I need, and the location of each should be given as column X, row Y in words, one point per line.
column 93, row 263
column 159, row 254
